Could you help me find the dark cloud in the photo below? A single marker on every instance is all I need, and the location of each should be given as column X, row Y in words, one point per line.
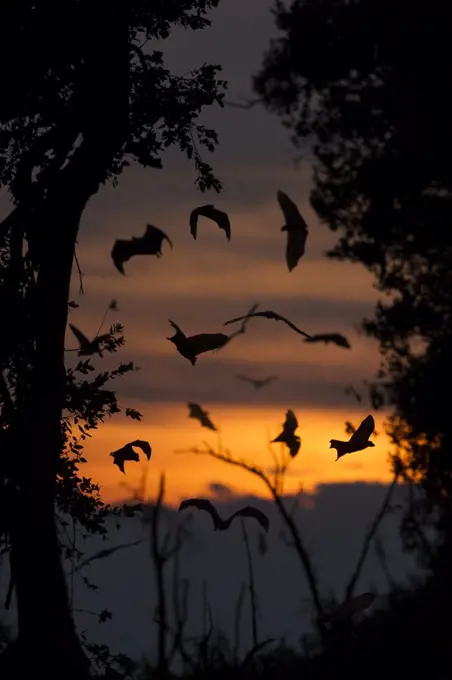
column 220, row 490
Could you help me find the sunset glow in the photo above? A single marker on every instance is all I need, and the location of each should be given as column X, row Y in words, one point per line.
column 245, row 432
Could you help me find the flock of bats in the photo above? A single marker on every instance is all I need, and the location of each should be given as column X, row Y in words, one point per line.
column 190, row 347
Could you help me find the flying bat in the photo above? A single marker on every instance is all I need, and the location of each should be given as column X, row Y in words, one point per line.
column 244, row 323
column 223, row 524
column 297, row 230
column 335, row 338
column 189, row 347
column 127, row 453
column 199, row 414
column 255, row 382
column 211, row 213
column 288, row 436
column 358, row 441
column 269, row 315
column 88, row 347
column 149, row 244
column 351, row 607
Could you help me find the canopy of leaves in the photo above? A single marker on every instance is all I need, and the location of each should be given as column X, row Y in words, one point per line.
column 366, row 86
column 60, row 49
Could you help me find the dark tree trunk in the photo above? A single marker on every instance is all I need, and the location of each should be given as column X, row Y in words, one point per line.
column 48, row 642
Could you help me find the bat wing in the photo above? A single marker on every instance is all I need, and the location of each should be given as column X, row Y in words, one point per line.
column 206, row 422
column 296, row 246
column 144, row 446
column 82, row 339
column 195, row 410
column 153, row 239
column 202, row 504
column 250, row 511
column 222, row 219
column 122, row 251
column 244, row 378
column 291, row 325
column 269, row 380
column 124, row 453
column 294, row 444
column 291, row 422
column 364, row 431
column 176, row 328
column 194, row 222
column 290, row 211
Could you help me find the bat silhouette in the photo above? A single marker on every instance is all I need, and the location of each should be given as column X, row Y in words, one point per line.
column 335, row 338
column 211, row 213
column 189, row 347
column 244, row 324
column 255, row 382
column 199, row 414
column 297, row 230
column 358, row 441
column 288, row 436
column 88, row 347
column 268, row 315
column 149, row 244
column 127, row 453
column 223, row 524
column 351, row 607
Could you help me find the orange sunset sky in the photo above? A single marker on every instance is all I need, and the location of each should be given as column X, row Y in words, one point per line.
column 202, row 283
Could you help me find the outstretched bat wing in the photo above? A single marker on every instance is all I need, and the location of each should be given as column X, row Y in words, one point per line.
column 250, row 511
column 291, row 422
column 202, row 504
column 296, row 247
column 122, row 251
column 221, row 218
column 290, row 211
column 122, row 455
column 144, row 446
column 153, row 239
column 364, row 431
column 82, row 339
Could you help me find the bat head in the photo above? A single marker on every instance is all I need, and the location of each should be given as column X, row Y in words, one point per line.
column 370, row 444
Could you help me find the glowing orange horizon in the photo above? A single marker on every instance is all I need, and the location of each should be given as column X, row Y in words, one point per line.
column 245, row 432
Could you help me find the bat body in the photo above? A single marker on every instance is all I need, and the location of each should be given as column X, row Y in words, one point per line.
column 211, row 213
column 193, row 345
column 268, row 314
column 149, row 244
column 195, row 411
column 223, row 524
column 296, row 228
column 255, row 382
column 358, row 441
column 88, row 347
column 288, row 436
column 125, row 453
column 335, row 338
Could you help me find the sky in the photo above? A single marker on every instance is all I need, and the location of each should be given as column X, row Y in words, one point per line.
column 203, row 283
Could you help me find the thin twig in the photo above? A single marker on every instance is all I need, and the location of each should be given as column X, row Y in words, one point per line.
column 251, row 588
column 369, row 537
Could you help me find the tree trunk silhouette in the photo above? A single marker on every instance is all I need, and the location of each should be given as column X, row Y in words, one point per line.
column 47, row 637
